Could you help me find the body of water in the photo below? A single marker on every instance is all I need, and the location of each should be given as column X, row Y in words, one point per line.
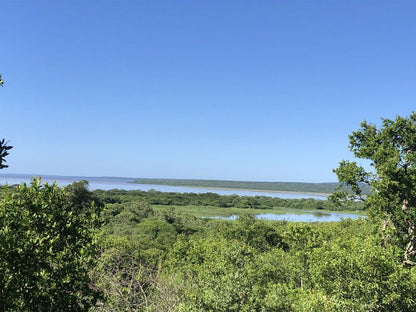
column 108, row 183
column 301, row 217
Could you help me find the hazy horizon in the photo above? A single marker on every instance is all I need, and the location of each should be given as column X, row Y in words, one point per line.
column 150, row 178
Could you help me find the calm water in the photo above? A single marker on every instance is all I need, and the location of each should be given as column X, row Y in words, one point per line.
column 123, row 184
column 109, row 183
column 301, row 217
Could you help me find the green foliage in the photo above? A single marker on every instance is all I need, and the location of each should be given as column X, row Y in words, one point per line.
column 134, row 242
column 352, row 175
column 220, row 274
column 223, row 201
column 4, row 148
column 158, row 260
column 81, row 198
column 46, row 251
column 123, row 219
column 256, row 234
column 360, row 275
column 125, row 275
column 4, row 190
column 391, row 149
column 154, row 259
column 324, row 267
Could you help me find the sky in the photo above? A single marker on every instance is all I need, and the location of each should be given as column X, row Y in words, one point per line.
column 231, row 90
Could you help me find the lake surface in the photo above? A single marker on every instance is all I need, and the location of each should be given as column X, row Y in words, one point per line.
column 301, row 217
column 108, row 183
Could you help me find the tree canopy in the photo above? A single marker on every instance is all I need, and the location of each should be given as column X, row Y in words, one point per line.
column 391, row 149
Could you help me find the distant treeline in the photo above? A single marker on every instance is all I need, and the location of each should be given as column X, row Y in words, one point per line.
column 264, row 186
column 213, row 199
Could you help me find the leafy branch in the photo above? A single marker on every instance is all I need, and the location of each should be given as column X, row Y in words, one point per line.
column 4, row 148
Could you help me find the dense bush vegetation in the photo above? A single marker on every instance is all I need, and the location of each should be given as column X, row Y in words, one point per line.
column 47, row 248
column 152, row 260
column 223, row 201
column 60, row 251
column 165, row 262
column 252, row 265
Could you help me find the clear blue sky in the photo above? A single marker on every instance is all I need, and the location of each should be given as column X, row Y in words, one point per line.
column 240, row 90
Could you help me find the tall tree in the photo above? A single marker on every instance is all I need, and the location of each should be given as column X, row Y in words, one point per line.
column 391, row 149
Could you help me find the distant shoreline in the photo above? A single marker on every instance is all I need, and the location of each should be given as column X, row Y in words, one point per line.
column 241, row 189
column 295, row 188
